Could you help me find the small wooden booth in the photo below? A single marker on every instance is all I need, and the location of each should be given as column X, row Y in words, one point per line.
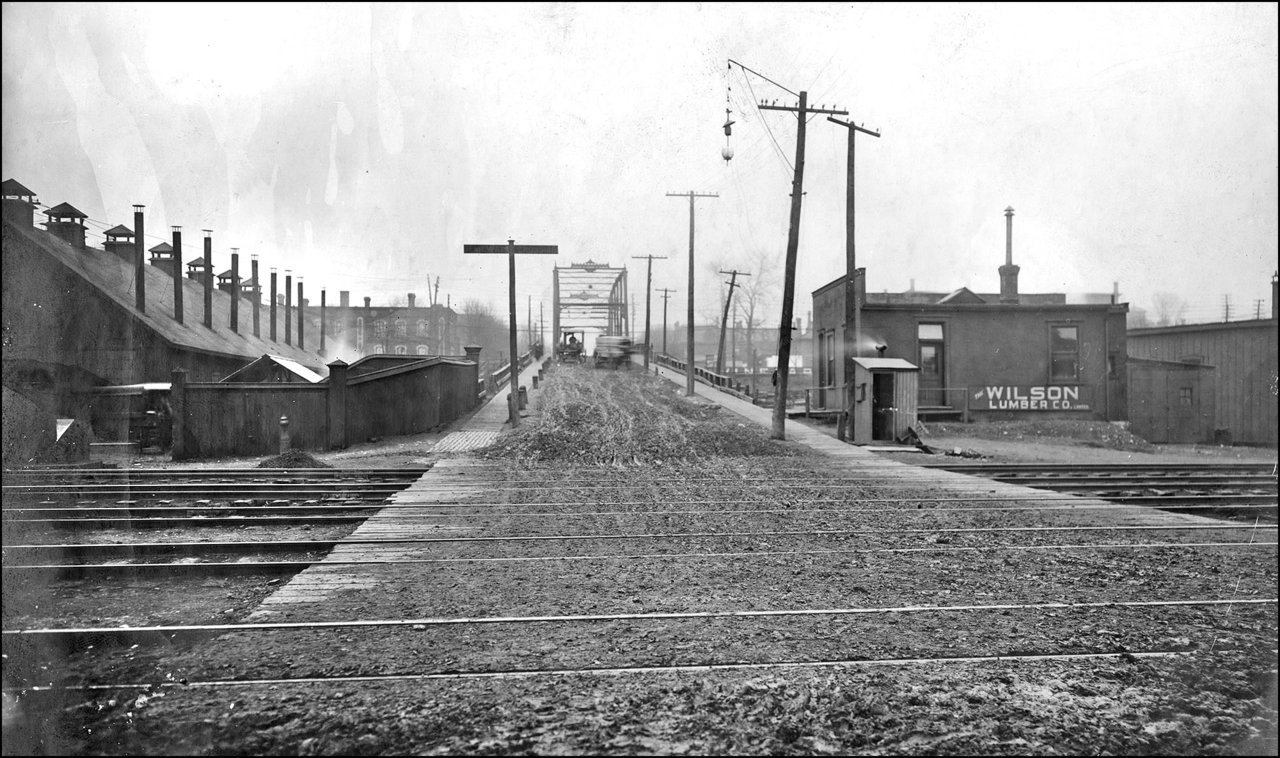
column 885, row 392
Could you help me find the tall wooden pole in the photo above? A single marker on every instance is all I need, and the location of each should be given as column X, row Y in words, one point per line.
column 648, row 292
column 688, row 369
column 793, row 243
column 852, row 308
column 779, row 431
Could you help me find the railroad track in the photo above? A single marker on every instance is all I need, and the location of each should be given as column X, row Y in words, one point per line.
column 523, row 571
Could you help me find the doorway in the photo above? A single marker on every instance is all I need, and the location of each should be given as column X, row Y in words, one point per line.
column 881, row 405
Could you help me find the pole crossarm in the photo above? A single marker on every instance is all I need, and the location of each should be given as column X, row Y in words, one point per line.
column 852, row 125
column 512, row 250
column 796, row 109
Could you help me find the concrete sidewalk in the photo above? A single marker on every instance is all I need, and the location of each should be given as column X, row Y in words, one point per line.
column 483, row 426
column 794, row 432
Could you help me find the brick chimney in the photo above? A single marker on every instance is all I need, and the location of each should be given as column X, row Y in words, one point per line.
column 208, row 277
column 412, row 297
column 1008, row 272
column 273, row 304
column 323, row 323
column 19, row 203
column 302, row 312
column 177, row 274
column 1275, row 290
column 235, row 289
column 257, row 295
column 67, row 224
column 139, row 262
column 366, row 302
column 288, row 307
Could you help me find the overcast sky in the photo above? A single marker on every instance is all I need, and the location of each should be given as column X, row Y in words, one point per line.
column 361, row 146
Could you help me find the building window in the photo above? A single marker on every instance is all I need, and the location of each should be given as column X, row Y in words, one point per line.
column 401, row 350
column 379, row 328
column 1184, row 396
column 377, row 349
column 360, row 334
column 400, row 327
column 422, row 350
column 422, row 328
column 1064, row 353
column 831, row 358
column 932, row 354
column 335, row 326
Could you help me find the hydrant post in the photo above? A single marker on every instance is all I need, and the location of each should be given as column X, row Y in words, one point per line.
column 284, row 434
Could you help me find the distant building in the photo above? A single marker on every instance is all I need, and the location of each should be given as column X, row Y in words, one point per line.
column 1006, row 355
column 1243, row 356
column 78, row 317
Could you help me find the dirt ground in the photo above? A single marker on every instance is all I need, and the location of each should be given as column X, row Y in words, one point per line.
column 670, row 465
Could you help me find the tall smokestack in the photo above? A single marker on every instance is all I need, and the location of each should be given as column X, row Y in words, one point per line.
column 257, row 293
column 273, row 304
column 139, row 262
column 208, row 278
column 323, row 323
column 177, row 274
column 1008, row 272
column 302, row 312
column 1275, row 290
column 288, row 305
column 235, row 290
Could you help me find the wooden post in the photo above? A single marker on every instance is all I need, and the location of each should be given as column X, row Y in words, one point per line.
column 512, row 249
column 178, row 413
column 336, row 405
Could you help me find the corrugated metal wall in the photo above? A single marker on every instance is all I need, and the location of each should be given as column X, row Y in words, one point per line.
column 1244, row 356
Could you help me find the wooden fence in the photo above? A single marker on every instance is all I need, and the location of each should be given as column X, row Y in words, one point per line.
column 216, row 419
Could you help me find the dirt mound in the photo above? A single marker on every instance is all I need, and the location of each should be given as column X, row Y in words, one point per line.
column 1086, row 433
column 628, row 418
column 293, row 459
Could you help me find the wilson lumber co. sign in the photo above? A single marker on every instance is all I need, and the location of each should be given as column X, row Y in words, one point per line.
column 1035, row 397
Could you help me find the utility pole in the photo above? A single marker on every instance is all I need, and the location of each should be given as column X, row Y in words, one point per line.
column 511, row 249
column 688, row 367
column 793, row 243
column 852, row 308
column 648, row 291
column 724, row 322
column 666, row 293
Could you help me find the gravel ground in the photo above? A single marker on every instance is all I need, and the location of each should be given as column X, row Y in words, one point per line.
column 1216, row 696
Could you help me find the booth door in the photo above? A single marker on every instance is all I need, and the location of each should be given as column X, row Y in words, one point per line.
column 881, row 405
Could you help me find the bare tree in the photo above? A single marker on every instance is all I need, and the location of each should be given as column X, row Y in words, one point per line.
column 1170, row 309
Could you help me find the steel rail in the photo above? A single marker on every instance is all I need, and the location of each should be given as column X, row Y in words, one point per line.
column 605, row 670
column 762, row 484
column 152, row 548
column 216, row 472
column 1262, row 501
column 160, row 522
column 259, row 626
column 260, row 514
column 285, row 567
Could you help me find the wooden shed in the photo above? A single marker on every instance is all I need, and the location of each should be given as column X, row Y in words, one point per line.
column 1171, row 402
column 885, row 393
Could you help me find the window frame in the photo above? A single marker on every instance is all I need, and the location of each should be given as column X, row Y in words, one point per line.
column 1054, row 354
